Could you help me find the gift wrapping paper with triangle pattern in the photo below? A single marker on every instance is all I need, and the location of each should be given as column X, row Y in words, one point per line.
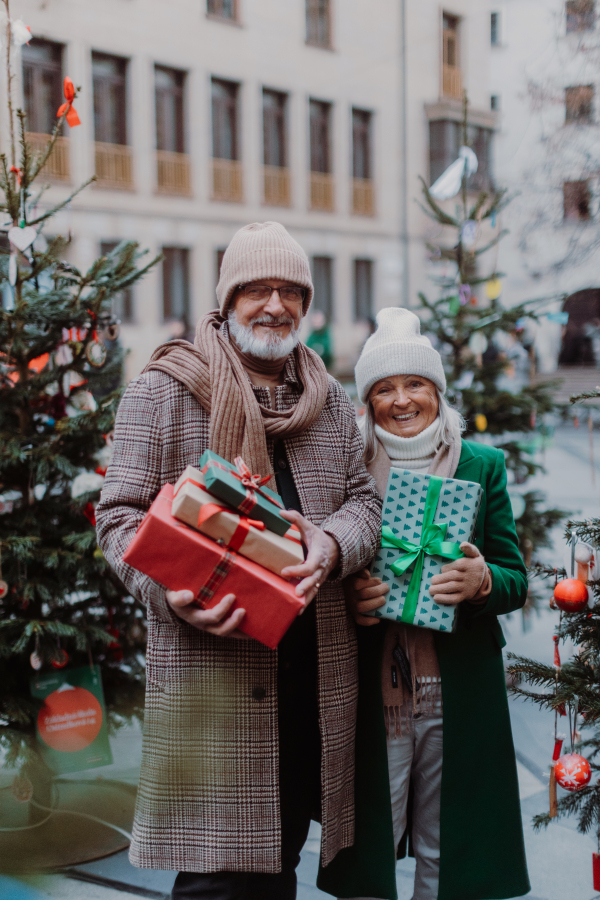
column 403, row 509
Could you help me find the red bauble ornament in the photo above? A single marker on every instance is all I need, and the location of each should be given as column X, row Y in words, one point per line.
column 596, row 871
column 572, row 772
column 571, row 595
column 61, row 660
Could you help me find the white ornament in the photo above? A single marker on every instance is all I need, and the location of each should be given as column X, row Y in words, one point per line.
column 21, row 33
column 583, row 553
column 82, row 401
column 86, row 483
column 39, row 491
column 63, row 355
column 12, row 269
column 478, row 343
column 22, row 237
column 469, row 234
column 449, row 183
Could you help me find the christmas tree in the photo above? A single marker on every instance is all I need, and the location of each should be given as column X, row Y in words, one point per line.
column 61, row 605
column 481, row 341
column 572, row 690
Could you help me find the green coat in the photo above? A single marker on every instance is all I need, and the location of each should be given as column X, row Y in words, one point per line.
column 482, row 853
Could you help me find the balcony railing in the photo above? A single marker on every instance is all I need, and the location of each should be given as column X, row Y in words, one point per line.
column 173, row 173
column 321, row 191
column 57, row 166
column 277, row 186
column 114, row 166
column 452, row 82
column 363, row 197
column 227, row 182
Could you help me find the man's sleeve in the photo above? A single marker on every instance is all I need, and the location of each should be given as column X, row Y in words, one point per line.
column 356, row 526
column 131, row 484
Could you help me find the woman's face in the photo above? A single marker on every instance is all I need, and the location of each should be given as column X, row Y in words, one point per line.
column 404, row 404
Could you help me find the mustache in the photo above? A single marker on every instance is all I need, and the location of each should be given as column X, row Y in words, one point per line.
column 272, row 320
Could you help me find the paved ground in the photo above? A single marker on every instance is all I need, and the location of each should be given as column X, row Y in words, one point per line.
column 560, row 859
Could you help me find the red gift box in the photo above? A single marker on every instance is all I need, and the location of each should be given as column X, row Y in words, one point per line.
column 183, row 559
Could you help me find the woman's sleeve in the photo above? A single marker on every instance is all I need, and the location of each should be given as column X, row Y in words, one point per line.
column 501, row 548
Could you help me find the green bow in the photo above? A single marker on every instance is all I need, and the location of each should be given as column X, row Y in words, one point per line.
column 432, row 544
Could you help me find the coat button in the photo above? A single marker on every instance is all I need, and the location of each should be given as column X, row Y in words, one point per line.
column 282, row 463
column 258, row 693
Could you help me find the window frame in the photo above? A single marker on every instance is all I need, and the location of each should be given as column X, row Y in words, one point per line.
column 363, row 312
column 569, row 188
column 573, row 110
column 178, row 96
column 457, row 43
column 119, row 84
column 327, row 304
column 581, row 20
column 495, row 37
column 313, row 20
column 37, row 70
column 362, row 131
column 168, row 313
column 234, row 104
column 219, row 17
column 277, row 118
column 447, row 151
column 127, row 313
column 326, row 128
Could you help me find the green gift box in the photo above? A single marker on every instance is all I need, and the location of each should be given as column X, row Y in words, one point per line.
column 425, row 519
column 237, row 486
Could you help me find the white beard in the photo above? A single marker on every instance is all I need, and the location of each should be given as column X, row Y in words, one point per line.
column 271, row 346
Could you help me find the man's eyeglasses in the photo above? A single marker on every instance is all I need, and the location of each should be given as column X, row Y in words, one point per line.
column 260, row 293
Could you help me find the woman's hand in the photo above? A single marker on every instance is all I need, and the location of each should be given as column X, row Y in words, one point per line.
column 215, row 621
column 365, row 594
column 322, row 558
column 462, row 579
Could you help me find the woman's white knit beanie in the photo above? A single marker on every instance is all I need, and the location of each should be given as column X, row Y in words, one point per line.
column 263, row 250
column 397, row 348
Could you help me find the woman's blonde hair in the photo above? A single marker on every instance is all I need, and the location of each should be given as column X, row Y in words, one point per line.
column 451, row 424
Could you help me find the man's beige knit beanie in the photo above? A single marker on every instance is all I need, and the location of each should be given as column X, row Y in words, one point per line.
column 397, row 348
column 263, row 250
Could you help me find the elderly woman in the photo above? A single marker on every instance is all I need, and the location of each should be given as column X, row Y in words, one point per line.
column 435, row 757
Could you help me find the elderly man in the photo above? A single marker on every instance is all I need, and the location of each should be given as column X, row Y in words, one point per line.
column 244, row 745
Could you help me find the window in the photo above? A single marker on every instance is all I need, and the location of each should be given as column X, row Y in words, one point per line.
column 219, row 254
column 222, row 9
column 176, row 284
column 322, row 272
column 168, row 88
column 361, row 144
column 110, row 118
column 576, row 198
column 495, row 102
column 495, row 29
column 225, row 119
column 320, row 127
column 579, row 103
column 318, row 23
column 363, row 290
column 42, row 84
column 451, row 74
column 581, row 15
column 445, row 139
column 274, row 129
column 122, row 304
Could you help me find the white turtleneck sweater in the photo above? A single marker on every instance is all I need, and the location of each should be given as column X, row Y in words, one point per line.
column 413, row 453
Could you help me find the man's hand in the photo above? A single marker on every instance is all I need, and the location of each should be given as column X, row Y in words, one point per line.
column 365, row 594
column 461, row 579
column 322, row 557
column 215, row 621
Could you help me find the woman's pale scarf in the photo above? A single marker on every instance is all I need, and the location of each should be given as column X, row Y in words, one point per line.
column 417, row 643
column 239, row 426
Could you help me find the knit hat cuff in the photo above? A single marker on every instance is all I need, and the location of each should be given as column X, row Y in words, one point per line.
column 398, row 358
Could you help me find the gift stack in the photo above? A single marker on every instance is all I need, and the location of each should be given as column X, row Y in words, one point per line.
column 425, row 519
column 219, row 531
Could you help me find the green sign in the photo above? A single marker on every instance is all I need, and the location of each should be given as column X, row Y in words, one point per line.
column 71, row 724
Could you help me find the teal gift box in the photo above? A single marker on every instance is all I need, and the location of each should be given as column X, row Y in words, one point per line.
column 425, row 519
column 237, row 486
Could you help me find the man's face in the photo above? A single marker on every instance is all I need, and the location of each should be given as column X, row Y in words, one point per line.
column 269, row 318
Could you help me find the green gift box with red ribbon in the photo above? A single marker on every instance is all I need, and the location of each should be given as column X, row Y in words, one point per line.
column 236, row 485
column 425, row 519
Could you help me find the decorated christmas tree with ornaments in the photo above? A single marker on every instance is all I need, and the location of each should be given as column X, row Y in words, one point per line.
column 483, row 342
column 61, row 607
column 572, row 689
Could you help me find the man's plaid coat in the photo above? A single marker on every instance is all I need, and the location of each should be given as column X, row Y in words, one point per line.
column 208, row 797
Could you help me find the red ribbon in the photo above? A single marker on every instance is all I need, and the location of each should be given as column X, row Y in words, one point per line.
column 68, row 108
column 558, row 742
column 18, row 172
column 252, row 483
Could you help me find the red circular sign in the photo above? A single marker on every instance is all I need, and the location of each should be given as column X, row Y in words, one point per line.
column 70, row 719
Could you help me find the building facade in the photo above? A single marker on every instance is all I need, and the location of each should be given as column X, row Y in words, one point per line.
column 200, row 116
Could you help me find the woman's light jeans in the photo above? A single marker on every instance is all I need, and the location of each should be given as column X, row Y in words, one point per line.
column 417, row 756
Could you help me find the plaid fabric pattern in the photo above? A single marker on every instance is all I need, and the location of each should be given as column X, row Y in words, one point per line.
column 208, row 795
column 217, row 576
column 247, row 504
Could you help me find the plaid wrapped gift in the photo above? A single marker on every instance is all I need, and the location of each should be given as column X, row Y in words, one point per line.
column 425, row 519
column 237, row 486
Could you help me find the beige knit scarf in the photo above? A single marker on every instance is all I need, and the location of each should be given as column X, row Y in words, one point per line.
column 239, row 426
